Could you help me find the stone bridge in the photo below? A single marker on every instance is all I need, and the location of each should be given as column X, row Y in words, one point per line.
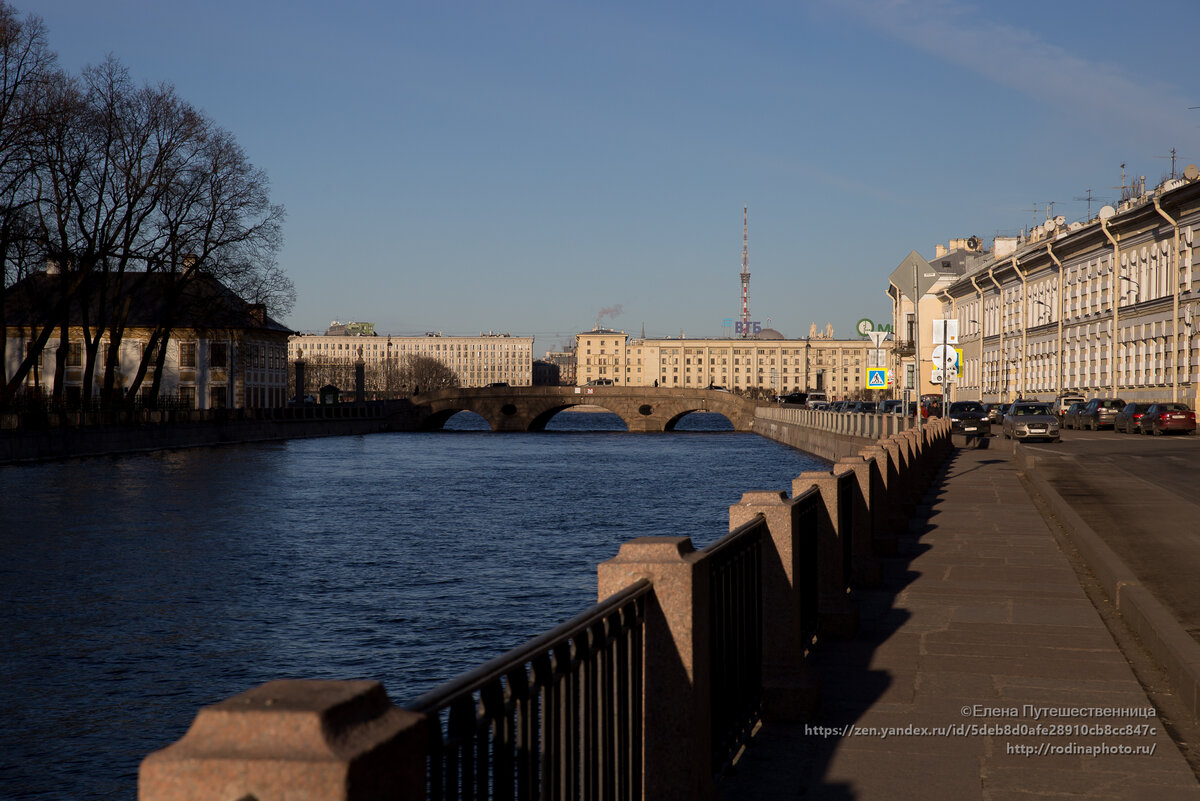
column 530, row 408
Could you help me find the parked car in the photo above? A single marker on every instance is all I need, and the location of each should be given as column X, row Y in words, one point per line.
column 795, row 398
column 818, row 406
column 1031, row 420
column 1163, row 417
column 817, row 397
column 995, row 411
column 868, row 407
column 1099, row 413
column 969, row 418
column 1070, row 418
column 1128, row 419
column 891, row 407
column 1063, row 402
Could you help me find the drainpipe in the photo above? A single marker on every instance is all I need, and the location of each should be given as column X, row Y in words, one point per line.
column 1062, row 312
column 1174, row 306
column 945, row 384
column 980, row 332
column 1024, row 327
column 1116, row 302
column 1000, row 310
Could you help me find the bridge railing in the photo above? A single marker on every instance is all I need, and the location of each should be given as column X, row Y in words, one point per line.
column 647, row 695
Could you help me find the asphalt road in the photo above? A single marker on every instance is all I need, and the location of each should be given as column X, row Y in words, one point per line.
column 1141, row 494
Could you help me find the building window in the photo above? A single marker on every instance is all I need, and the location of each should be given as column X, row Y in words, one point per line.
column 187, row 397
column 187, row 354
column 216, row 398
column 75, row 354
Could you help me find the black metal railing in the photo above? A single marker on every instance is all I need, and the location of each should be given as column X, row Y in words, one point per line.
column 557, row 718
column 735, row 627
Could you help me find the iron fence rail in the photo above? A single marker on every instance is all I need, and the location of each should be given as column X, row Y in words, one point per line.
column 735, row 629
column 557, row 718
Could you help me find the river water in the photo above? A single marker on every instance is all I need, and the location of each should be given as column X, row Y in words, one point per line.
column 136, row 589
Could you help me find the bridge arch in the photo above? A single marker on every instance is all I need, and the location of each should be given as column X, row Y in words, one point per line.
column 643, row 409
column 672, row 424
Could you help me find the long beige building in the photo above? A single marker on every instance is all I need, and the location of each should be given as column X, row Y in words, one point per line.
column 476, row 360
column 1109, row 307
column 766, row 362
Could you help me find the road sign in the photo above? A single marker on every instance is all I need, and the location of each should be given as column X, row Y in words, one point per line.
column 945, row 332
column 914, row 276
column 877, row 378
column 877, row 337
column 935, row 376
column 945, row 356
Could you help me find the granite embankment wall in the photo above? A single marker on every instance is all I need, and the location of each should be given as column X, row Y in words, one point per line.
column 39, row 436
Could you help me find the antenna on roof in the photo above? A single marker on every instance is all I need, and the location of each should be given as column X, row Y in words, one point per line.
column 745, row 272
column 1172, row 158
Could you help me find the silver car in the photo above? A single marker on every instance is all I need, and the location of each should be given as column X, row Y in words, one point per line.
column 1030, row 420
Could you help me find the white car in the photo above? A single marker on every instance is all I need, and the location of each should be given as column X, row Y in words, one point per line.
column 1031, row 420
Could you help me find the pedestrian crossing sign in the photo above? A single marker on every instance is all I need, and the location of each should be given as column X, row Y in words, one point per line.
column 878, row 378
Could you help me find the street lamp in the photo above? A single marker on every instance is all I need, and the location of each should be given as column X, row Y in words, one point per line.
column 1048, row 309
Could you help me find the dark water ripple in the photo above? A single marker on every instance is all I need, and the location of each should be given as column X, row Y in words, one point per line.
column 136, row 589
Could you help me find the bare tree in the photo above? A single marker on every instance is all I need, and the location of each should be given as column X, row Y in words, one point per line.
column 26, row 63
column 423, row 373
column 125, row 186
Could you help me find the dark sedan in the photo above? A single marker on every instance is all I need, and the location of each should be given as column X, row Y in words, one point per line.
column 1129, row 419
column 1099, row 413
column 970, row 418
column 1070, row 418
column 1163, row 417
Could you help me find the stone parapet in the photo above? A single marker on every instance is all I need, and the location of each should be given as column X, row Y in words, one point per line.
column 294, row 740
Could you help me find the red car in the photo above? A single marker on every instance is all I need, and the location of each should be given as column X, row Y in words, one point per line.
column 1163, row 417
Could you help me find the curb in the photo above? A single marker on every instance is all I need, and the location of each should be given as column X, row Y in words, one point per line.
column 1160, row 632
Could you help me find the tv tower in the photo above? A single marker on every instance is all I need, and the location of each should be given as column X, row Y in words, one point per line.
column 745, row 275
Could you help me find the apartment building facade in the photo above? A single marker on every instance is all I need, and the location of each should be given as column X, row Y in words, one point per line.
column 1109, row 307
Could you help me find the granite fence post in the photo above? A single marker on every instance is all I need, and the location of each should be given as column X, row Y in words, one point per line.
column 865, row 568
column 790, row 688
column 677, row 746
column 838, row 615
column 294, row 740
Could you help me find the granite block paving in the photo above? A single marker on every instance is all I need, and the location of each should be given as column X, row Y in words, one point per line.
column 981, row 671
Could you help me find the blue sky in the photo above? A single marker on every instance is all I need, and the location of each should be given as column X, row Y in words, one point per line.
column 524, row 166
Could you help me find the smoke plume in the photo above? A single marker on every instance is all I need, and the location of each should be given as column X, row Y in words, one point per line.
column 609, row 311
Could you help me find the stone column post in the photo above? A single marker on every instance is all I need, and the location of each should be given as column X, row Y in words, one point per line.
column 790, row 690
column 838, row 615
column 886, row 516
column 677, row 739
column 865, row 569
column 299, row 380
column 360, row 379
column 294, row 739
